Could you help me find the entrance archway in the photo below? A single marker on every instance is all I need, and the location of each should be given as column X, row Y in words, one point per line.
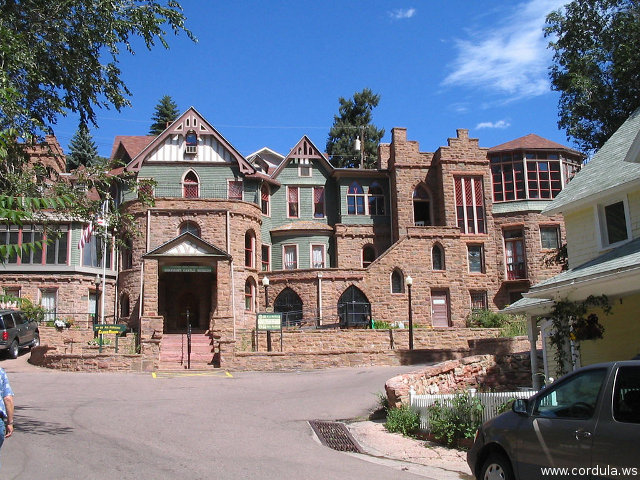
column 290, row 305
column 354, row 309
column 180, row 291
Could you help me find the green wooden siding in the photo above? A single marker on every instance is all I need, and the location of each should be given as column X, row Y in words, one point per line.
column 365, row 183
column 304, row 243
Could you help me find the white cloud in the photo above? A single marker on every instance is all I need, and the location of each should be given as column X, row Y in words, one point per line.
column 402, row 13
column 510, row 58
column 499, row 124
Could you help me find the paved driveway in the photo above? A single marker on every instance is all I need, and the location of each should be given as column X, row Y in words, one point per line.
column 126, row 426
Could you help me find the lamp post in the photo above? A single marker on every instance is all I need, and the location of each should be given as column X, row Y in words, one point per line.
column 96, row 281
column 265, row 284
column 408, row 282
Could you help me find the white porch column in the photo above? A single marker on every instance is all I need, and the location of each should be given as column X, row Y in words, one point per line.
column 532, row 331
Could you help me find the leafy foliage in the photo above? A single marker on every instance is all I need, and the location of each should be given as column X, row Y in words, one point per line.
column 354, row 121
column 63, row 56
column 82, row 149
column 596, row 67
column 404, row 420
column 461, row 420
column 571, row 321
column 166, row 112
column 558, row 256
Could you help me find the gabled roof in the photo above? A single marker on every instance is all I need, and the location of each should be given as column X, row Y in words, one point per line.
column 130, row 145
column 179, row 127
column 268, row 155
column 616, row 265
column 532, row 142
column 187, row 245
column 606, row 172
column 304, row 149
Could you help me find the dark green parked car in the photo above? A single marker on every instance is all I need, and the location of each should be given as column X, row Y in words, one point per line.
column 17, row 331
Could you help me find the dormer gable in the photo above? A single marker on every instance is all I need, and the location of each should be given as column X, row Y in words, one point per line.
column 302, row 154
column 190, row 138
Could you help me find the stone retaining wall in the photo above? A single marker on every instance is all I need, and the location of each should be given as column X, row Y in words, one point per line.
column 495, row 372
column 73, row 340
column 88, row 361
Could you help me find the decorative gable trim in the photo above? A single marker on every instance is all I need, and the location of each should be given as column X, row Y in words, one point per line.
column 303, row 152
column 187, row 245
column 190, row 120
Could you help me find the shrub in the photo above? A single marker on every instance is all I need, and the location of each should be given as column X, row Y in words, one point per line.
column 380, row 325
column 514, row 327
column 383, row 401
column 487, row 319
column 404, row 420
column 461, row 420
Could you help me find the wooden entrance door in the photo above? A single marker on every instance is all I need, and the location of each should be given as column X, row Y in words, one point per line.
column 439, row 309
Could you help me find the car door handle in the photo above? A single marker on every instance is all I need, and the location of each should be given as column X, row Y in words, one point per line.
column 582, row 434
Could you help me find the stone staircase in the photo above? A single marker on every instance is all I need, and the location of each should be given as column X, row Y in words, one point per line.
column 173, row 351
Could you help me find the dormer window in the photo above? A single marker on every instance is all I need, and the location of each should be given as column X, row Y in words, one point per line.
column 191, row 142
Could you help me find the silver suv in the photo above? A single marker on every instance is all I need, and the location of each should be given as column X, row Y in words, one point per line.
column 17, row 331
column 585, row 425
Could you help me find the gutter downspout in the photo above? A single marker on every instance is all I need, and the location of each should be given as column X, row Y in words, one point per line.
column 233, row 280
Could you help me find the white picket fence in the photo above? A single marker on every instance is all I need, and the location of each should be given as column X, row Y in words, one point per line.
column 491, row 402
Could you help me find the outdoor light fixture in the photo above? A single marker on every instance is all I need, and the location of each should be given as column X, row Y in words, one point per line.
column 408, row 282
column 265, row 284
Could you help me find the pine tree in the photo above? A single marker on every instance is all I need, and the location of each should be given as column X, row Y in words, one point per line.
column 82, row 149
column 354, row 121
column 166, row 113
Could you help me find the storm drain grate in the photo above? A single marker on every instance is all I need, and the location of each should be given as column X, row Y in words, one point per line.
column 335, row 435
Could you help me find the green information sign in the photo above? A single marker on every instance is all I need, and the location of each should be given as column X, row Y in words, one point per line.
column 187, row 269
column 269, row 321
column 109, row 329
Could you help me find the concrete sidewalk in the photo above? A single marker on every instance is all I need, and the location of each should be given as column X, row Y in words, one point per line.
column 416, row 456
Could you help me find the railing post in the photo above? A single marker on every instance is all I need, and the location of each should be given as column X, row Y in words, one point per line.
column 412, row 394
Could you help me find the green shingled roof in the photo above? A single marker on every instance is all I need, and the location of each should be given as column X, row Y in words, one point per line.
column 606, row 171
column 622, row 258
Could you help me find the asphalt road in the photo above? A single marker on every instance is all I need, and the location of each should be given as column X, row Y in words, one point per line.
column 134, row 426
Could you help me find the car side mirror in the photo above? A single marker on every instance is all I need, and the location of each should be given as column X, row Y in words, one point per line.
column 520, row 406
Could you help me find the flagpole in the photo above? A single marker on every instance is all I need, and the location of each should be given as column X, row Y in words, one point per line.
column 105, row 207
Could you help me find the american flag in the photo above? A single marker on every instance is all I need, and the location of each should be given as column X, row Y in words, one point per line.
column 86, row 235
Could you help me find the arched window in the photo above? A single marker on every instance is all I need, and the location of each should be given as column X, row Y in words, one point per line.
column 368, row 255
column 397, row 281
column 290, row 305
column 355, row 199
column 190, row 185
column 421, row 206
column 437, row 257
column 265, row 195
column 249, row 249
column 249, row 295
column 127, row 255
column 354, row 309
column 124, row 305
column 376, row 199
column 191, row 227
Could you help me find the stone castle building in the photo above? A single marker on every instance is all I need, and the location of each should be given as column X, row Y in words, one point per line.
column 336, row 244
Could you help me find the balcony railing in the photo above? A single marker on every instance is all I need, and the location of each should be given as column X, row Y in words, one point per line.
column 200, row 191
column 516, row 271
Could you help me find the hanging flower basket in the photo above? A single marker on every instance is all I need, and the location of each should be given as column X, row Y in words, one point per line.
column 588, row 328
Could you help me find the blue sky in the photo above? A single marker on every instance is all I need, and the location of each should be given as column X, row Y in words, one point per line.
column 266, row 73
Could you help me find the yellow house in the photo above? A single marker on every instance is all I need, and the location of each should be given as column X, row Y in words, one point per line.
column 601, row 209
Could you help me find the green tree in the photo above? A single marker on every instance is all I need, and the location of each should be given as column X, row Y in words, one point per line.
column 354, row 121
column 57, row 58
column 60, row 57
column 166, row 112
column 82, row 149
column 596, row 67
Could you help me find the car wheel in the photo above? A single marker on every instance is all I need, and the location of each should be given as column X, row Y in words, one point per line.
column 13, row 349
column 36, row 340
column 496, row 467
